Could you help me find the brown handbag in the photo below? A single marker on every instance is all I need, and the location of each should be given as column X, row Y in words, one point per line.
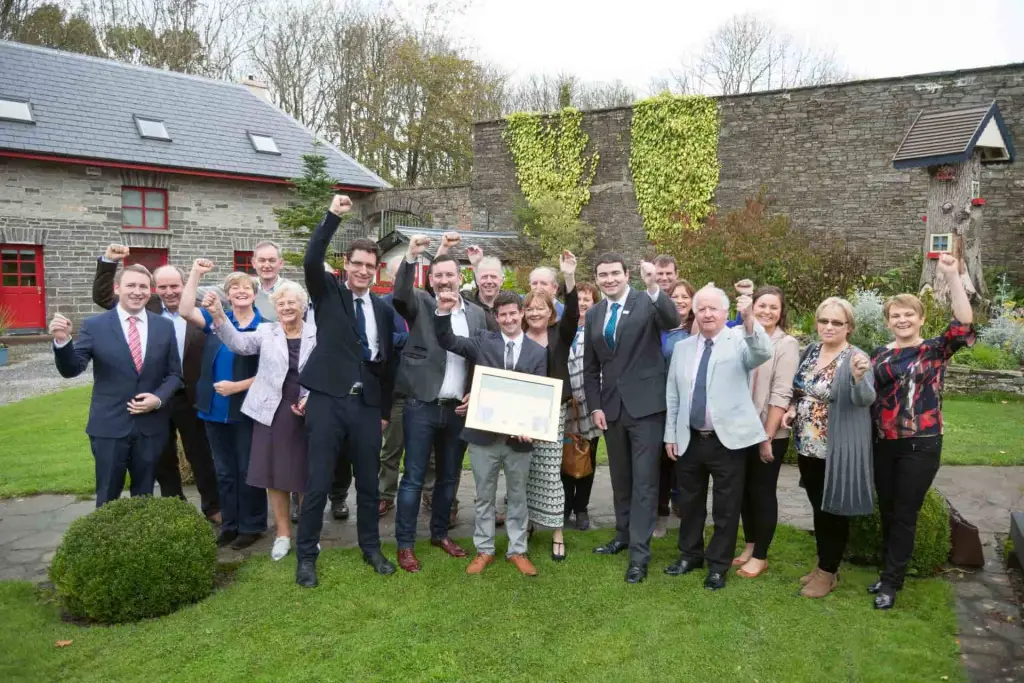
column 965, row 550
column 576, row 460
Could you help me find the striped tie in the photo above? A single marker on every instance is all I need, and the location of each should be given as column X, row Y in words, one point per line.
column 135, row 342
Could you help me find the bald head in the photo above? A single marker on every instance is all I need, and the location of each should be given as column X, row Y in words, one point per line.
column 170, row 282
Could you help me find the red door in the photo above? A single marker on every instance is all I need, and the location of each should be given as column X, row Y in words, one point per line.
column 21, row 285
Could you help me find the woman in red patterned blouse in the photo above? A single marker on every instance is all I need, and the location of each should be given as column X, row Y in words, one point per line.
column 908, row 420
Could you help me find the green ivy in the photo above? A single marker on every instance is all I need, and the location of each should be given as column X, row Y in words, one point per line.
column 674, row 160
column 547, row 150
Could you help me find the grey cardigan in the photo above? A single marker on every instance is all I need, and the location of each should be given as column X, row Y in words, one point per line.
column 849, row 473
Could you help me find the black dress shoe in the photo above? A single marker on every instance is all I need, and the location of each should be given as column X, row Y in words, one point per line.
column 380, row 564
column 339, row 510
column 683, row 566
column 612, row 547
column 875, row 587
column 885, row 600
column 243, row 541
column 295, row 509
column 714, row 581
column 636, row 573
column 225, row 537
column 305, row 575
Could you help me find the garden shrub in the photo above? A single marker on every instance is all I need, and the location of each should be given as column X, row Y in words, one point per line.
column 1007, row 334
column 986, row 357
column 931, row 544
column 134, row 558
column 871, row 330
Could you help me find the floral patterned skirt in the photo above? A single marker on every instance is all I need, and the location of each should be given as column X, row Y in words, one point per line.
column 545, row 495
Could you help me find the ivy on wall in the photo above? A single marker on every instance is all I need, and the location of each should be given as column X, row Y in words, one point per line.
column 547, row 150
column 674, row 160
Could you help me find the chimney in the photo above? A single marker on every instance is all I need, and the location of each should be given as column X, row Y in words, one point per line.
column 257, row 88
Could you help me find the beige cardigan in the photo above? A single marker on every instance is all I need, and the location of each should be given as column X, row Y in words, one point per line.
column 773, row 381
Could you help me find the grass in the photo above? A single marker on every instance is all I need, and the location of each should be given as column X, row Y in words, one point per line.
column 576, row 621
column 45, row 449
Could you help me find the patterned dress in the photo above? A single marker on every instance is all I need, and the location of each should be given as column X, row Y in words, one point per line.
column 812, row 387
column 545, row 494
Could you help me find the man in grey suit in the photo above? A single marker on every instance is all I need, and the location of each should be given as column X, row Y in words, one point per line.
column 711, row 422
column 434, row 383
column 624, row 381
column 509, row 349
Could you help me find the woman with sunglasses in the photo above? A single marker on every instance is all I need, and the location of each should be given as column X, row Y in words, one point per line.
column 830, row 415
column 909, row 373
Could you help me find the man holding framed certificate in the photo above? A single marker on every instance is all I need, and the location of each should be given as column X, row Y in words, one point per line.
column 489, row 449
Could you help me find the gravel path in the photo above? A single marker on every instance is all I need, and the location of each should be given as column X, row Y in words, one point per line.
column 30, row 372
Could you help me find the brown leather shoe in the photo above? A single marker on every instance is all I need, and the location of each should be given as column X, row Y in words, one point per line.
column 479, row 563
column 407, row 560
column 523, row 564
column 449, row 546
column 385, row 506
column 820, row 585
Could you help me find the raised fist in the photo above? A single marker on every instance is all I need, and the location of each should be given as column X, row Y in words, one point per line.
column 60, row 328
column 446, row 301
column 948, row 265
column 647, row 272
column 417, row 245
column 744, row 304
column 115, row 252
column 744, row 287
column 451, row 238
column 211, row 302
column 341, row 204
column 475, row 254
column 202, row 265
column 567, row 262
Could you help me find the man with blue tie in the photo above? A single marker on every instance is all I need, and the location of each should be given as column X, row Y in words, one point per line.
column 136, row 371
column 711, row 422
column 624, row 381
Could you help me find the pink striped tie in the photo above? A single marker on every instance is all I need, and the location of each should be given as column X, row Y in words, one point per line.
column 135, row 342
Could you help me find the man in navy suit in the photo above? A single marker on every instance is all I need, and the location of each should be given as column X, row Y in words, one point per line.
column 136, row 371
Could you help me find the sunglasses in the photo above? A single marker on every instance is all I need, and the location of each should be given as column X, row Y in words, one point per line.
column 834, row 323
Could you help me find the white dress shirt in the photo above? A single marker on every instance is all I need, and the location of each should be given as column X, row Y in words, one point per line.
column 179, row 331
column 695, row 366
column 141, row 320
column 517, row 347
column 454, row 384
column 622, row 305
column 371, row 322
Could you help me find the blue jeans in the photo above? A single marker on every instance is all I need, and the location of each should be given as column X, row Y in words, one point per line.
column 426, row 427
column 243, row 508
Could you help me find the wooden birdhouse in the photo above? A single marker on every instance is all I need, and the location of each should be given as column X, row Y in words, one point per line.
column 953, row 145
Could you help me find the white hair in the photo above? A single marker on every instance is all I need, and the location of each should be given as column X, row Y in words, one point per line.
column 489, row 263
column 706, row 291
column 293, row 288
column 267, row 243
column 550, row 272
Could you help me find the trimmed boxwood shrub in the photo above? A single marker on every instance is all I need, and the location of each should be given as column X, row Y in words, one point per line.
column 134, row 558
column 931, row 544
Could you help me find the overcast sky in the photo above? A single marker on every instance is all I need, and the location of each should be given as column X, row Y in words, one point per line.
column 636, row 40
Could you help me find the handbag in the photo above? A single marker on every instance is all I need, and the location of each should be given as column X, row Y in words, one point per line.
column 965, row 547
column 576, row 460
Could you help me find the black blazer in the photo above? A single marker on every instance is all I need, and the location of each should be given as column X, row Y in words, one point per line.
column 488, row 349
column 336, row 363
column 116, row 381
column 195, row 341
column 633, row 375
column 560, row 336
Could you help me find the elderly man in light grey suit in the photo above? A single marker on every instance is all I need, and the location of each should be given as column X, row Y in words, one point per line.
column 711, row 420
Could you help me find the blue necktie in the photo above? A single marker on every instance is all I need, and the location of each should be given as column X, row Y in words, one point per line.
column 364, row 343
column 609, row 329
column 699, row 403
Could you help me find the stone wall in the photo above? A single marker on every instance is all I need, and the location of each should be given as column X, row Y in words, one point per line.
column 438, row 207
column 961, row 380
column 75, row 215
column 824, row 153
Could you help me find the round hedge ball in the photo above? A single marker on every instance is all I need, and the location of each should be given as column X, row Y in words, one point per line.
column 931, row 543
column 134, row 558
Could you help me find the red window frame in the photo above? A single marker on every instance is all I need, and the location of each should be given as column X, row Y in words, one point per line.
column 145, row 192
column 24, row 269
column 151, row 258
column 243, row 262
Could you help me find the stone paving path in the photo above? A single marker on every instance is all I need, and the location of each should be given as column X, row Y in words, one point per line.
column 30, row 372
column 992, row 638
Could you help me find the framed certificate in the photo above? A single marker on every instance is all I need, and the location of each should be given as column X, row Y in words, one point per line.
column 514, row 403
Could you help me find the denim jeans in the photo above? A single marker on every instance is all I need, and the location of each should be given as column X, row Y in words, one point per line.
column 243, row 508
column 428, row 426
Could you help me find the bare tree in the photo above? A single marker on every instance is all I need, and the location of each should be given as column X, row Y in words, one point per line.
column 547, row 92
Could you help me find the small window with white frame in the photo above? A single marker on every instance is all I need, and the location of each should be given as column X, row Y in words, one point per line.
column 941, row 243
column 151, row 129
column 263, row 144
column 14, row 109
column 975, row 189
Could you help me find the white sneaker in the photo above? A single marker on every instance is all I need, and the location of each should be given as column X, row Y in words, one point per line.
column 282, row 546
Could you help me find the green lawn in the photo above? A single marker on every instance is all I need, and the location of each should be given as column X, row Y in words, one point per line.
column 576, row 621
column 45, row 450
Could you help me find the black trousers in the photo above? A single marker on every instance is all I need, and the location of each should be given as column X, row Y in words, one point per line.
column 706, row 456
column 830, row 531
column 577, row 491
column 634, row 446
column 342, row 477
column 666, row 480
column 904, row 471
column 332, row 422
column 185, row 422
column 760, row 497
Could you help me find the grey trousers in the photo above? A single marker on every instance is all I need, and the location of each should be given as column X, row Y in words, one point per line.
column 391, row 453
column 487, row 462
column 634, row 452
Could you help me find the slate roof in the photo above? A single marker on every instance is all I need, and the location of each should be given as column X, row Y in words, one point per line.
column 83, row 108
column 950, row 136
column 511, row 248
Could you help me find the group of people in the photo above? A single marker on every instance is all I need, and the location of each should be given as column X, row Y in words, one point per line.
column 280, row 393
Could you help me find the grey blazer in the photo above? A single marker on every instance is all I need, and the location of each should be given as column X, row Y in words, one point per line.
column 730, row 403
column 269, row 341
column 421, row 370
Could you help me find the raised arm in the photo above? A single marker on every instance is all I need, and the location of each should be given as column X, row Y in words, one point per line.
column 71, row 359
column 461, row 346
column 242, row 343
column 404, row 295
column 187, row 307
column 317, row 279
column 103, row 281
column 959, row 302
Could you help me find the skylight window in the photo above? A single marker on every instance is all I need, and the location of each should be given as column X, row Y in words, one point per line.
column 15, row 110
column 151, row 129
column 263, row 144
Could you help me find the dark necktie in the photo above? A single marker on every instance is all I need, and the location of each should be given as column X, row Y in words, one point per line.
column 699, row 402
column 609, row 329
column 510, row 361
column 364, row 343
